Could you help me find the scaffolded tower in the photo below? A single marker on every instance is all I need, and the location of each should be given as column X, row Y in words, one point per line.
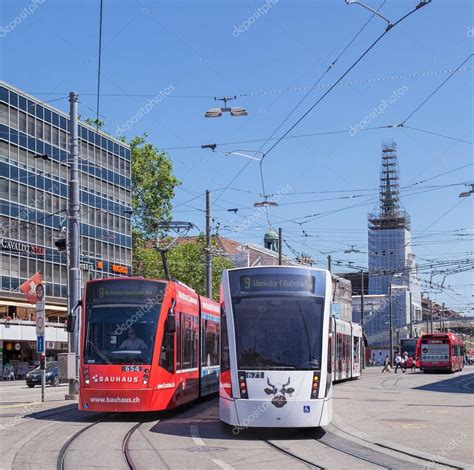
column 389, row 215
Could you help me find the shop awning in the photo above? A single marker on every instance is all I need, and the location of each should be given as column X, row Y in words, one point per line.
column 11, row 303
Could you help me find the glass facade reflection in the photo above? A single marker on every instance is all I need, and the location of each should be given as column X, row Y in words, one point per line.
column 33, row 196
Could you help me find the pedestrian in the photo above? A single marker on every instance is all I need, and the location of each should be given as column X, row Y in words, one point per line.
column 405, row 361
column 386, row 365
column 413, row 364
column 398, row 362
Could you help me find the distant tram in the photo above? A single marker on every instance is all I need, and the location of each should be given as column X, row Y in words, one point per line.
column 146, row 345
column 280, row 347
column 440, row 352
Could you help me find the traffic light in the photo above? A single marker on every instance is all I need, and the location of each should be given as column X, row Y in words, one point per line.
column 60, row 244
column 42, row 362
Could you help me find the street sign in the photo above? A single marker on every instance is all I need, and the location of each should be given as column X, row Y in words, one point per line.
column 40, row 292
column 40, row 310
column 40, row 345
column 40, row 317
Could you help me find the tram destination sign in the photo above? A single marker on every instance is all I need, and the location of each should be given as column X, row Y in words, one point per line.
column 124, row 291
column 277, row 283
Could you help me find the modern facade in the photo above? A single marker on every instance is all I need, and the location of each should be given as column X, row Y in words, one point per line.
column 34, row 172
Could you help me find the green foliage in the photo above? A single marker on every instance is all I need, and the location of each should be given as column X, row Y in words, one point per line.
column 186, row 263
column 153, row 185
column 95, row 123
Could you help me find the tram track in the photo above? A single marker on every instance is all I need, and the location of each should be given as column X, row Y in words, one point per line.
column 289, row 454
column 128, row 460
column 353, row 454
column 126, row 448
column 61, row 462
column 396, row 450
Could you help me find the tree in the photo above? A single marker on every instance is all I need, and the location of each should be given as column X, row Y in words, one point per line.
column 186, row 263
column 153, row 185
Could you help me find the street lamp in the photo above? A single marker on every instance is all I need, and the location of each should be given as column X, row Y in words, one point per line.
column 467, row 193
column 217, row 112
column 266, row 202
column 240, row 153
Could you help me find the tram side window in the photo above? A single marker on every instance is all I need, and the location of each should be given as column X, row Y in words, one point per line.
column 211, row 343
column 167, row 350
column 225, row 359
column 356, row 348
column 178, row 342
column 190, row 341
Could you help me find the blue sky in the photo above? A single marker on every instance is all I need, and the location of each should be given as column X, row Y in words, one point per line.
column 199, row 50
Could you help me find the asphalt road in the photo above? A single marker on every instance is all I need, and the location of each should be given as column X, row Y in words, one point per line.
column 403, row 421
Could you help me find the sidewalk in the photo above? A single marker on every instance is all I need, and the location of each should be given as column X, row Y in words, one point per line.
column 421, row 413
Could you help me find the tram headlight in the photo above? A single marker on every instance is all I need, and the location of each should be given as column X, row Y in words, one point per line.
column 145, row 378
column 86, row 376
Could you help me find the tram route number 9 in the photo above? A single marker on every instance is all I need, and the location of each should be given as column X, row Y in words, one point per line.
column 131, row 369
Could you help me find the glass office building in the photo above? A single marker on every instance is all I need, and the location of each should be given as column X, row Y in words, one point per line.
column 34, row 172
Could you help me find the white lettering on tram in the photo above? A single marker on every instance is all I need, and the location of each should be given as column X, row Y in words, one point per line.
column 118, row 379
column 187, row 298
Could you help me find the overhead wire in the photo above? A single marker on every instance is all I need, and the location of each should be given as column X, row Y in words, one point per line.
column 435, row 91
column 348, row 70
column 300, row 101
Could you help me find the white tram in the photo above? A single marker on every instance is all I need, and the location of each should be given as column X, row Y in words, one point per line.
column 345, row 344
column 274, row 347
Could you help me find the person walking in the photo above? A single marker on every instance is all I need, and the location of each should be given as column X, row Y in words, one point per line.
column 398, row 362
column 386, row 365
column 405, row 361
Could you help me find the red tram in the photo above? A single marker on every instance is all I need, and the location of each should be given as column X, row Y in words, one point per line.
column 146, row 345
column 440, row 352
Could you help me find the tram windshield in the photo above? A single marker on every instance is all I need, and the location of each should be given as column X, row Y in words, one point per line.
column 278, row 332
column 120, row 334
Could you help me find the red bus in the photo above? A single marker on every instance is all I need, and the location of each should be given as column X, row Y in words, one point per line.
column 146, row 345
column 440, row 352
column 408, row 345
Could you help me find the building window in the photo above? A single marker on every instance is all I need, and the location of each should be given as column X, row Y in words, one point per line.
column 22, row 122
column 3, row 114
column 14, row 118
column 4, row 194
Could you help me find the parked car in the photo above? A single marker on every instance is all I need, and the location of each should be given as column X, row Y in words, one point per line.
column 51, row 375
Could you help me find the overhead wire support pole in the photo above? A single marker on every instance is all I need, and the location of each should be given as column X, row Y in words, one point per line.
column 390, row 326
column 74, row 274
column 280, row 243
column 208, row 254
column 99, row 64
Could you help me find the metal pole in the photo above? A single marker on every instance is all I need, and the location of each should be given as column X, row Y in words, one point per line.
column 362, row 315
column 280, row 242
column 441, row 325
column 208, row 246
column 43, row 384
column 329, row 263
column 390, row 322
column 431, row 315
column 74, row 275
column 411, row 318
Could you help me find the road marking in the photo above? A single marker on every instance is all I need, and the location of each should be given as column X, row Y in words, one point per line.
column 195, row 435
column 18, row 405
column 223, row 464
